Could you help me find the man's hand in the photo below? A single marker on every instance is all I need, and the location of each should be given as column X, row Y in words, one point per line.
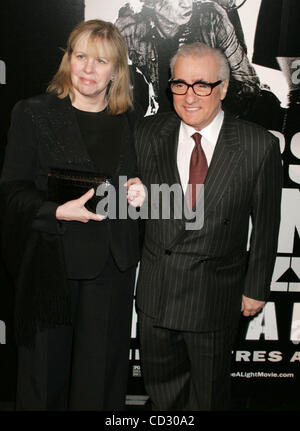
column 251, row 306
column 135, row 192
column 76, row 211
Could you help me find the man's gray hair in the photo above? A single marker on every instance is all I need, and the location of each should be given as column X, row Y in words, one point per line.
column 199, row 49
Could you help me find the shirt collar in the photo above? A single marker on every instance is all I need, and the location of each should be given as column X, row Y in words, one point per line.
column 210, row 132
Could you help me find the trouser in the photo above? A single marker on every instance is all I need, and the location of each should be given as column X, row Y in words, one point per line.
column 84, row 367
column 185, row 370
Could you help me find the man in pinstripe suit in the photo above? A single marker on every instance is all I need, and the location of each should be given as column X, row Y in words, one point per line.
column 193, row 284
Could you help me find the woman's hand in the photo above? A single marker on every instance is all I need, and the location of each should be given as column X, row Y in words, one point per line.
column 75, row 210
column 135, row 192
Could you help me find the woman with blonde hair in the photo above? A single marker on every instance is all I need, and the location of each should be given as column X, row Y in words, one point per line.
column 74, row 269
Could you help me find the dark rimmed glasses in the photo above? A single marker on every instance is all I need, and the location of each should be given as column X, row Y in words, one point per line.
column 200, row 88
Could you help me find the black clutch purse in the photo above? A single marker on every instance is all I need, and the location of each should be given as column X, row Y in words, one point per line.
column 66, row 185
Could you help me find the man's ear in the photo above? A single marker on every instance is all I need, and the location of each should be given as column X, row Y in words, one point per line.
column 224, row 87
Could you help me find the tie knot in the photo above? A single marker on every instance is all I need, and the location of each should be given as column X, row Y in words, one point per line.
column 197, row 138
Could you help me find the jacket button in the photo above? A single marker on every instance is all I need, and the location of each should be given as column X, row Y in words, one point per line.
column 168, row 252
column 226, row 221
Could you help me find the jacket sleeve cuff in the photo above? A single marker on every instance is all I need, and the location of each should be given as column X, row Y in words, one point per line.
column 46, row 221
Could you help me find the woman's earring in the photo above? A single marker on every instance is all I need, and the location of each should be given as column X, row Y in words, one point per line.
column 112, row 78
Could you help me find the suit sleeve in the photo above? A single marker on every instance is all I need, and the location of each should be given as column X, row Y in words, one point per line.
column 265, row 216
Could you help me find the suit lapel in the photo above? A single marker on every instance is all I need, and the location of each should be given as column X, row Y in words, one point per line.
column 69, row 140
column 69, row 143
column 225, row 162
column 223, row 167
column 165, row 149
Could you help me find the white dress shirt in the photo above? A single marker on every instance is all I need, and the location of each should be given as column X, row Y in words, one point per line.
column 186, row 144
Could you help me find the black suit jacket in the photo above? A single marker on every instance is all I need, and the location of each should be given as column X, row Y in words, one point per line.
column 194, row 279
column 44, row 135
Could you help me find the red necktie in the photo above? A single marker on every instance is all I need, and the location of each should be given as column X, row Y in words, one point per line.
column 198, row 171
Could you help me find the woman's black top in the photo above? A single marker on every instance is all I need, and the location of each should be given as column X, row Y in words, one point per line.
column 101, row 134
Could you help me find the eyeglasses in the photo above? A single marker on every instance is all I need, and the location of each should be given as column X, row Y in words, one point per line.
column 200, row 88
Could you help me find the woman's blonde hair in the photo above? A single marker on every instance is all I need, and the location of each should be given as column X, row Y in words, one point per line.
column 119, row 95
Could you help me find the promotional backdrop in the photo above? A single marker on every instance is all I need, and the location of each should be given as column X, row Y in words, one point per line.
column 260, row 40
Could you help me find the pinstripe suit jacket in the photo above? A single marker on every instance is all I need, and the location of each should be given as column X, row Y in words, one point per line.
column 194, row 279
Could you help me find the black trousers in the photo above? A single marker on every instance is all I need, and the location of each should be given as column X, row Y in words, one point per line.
column 84, row 367
column 185, row 370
